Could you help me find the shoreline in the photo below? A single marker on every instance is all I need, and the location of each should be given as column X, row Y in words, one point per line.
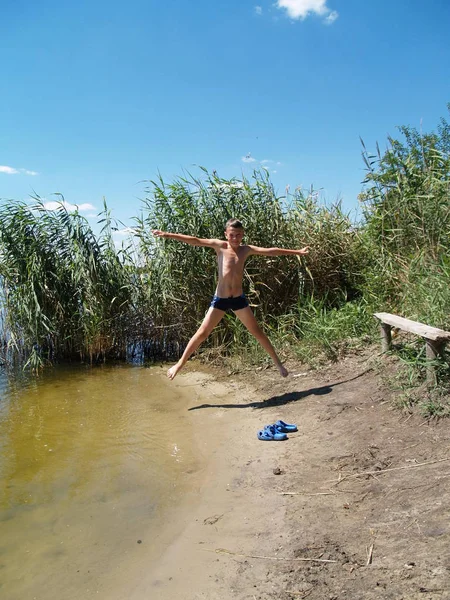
column 226, row 513
column 220, row 508
column 226, row 509
column 270, row 521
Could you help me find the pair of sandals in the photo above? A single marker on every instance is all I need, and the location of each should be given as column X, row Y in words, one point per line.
column 276, row 432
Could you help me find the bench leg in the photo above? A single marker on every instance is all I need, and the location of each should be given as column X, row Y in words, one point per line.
column 386, row 338
column 434, row 349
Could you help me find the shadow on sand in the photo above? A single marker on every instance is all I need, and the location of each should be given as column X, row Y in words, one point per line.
column 283, row 398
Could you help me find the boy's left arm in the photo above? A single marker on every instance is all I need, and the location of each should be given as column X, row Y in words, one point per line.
column 256, row 250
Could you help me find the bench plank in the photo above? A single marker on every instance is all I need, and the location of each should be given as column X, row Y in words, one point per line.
column 425, row 331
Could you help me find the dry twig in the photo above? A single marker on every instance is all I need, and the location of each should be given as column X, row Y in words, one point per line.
column 224, row 551
column 369, row 556
column 380, row 471
column 307, row 493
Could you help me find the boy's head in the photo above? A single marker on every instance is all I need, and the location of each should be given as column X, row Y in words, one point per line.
column 235, row 223
column 234, row 231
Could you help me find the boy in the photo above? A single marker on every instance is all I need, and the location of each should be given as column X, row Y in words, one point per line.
column 231, row 257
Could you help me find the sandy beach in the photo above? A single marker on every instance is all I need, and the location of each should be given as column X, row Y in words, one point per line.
column 352, row 506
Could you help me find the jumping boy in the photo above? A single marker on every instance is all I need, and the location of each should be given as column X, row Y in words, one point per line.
column 231, row 257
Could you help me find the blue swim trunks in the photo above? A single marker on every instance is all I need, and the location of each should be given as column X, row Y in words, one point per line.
column 233, row 303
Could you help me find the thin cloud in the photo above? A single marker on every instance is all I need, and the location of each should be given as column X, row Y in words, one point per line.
column 331, row 18
column 52, row 205
column 301, row 9
column 266, row 163
column 13, row 171
column 269, row 161
column 125, row 231
column 258, row 10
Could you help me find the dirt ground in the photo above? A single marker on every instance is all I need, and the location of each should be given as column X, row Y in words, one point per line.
column 355, row 505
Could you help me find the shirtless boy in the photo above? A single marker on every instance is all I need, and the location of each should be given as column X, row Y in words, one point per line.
column 231, row 257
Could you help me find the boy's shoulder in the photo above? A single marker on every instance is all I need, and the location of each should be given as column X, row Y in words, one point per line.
column 215, row 243
column 220, row 244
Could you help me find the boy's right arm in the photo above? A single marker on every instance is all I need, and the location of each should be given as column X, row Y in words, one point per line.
column 189, row 239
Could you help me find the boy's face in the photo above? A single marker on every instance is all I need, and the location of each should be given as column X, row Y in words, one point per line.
column 234, row 235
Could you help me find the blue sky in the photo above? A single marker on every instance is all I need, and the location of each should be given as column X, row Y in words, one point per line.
column 98, row 96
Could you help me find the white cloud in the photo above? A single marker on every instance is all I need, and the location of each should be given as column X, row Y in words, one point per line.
column 70, row 207
column 84, row 207
column 258, row 10
column 8, row 170
column 248, row 159
column 13, row 171
column 55, row 205
column 300, row 9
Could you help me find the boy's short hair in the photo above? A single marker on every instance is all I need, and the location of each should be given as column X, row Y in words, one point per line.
column 235, row 223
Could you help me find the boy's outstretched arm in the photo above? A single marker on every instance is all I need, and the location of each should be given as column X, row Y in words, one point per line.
column 190, row 239
column 278, row 251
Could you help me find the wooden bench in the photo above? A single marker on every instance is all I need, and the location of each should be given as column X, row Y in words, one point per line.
column 435, row 338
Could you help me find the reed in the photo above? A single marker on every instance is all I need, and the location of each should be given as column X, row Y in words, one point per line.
column 407, row 224
column 64, row 290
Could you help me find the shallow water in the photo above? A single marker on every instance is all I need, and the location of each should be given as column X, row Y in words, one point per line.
column 90, row 458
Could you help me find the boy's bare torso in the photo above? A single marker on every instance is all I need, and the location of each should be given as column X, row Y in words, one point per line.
column 231, row 263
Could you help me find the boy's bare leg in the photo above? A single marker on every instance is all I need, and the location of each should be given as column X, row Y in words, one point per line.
column 246, row 316
column 212, row 318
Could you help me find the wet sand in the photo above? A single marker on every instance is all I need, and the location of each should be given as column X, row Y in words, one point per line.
column 225, row 507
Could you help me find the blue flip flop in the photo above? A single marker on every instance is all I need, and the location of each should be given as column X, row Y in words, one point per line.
column 283, row 427
column 270, row 434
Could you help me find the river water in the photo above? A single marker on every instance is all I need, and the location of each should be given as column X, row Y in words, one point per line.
column 91, row 462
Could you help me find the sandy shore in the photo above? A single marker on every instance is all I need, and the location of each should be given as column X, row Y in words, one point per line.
column 224, row 508
column 231, row 509
column 352, row 506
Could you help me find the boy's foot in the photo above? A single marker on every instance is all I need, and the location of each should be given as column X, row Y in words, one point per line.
column 172, row 372
column 283, row 371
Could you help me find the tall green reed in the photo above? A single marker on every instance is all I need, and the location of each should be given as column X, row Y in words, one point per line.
column 64, row 289
column 407, row 224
